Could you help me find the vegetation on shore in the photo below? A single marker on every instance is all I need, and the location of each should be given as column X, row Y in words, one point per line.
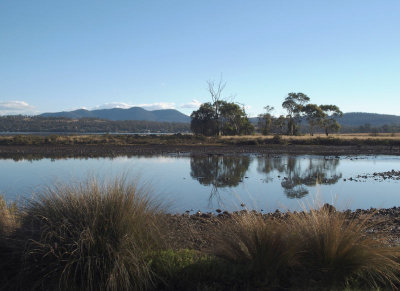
column 188, row 139
column 113, row 237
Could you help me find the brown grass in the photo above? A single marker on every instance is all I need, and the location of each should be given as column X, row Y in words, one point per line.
column 264, row 246
column 315, row 248
column 88, row 237
column 345, row 136
column 7, row 216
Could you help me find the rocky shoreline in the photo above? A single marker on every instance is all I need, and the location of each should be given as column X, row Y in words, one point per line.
column 104, row 150
column 198, row 231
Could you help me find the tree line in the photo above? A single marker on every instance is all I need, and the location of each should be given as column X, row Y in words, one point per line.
column 221, row 117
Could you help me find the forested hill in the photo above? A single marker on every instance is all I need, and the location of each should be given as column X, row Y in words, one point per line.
column 133, row 113
column 356, row 119
column 19, row 123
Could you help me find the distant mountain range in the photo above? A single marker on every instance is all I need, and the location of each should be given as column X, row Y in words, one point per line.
column 352, row 119
column 133, row 113
column 356, row 119
column 374, row 119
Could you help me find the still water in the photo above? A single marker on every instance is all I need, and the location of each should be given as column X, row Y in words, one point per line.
column 207, row 183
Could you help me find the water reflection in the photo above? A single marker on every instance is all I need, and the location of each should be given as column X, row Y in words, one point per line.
column 219, row 172
column 296, row 173
column 300, row 172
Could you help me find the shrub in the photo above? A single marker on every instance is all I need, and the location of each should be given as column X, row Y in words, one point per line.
column 89, row 237
column 192, row 270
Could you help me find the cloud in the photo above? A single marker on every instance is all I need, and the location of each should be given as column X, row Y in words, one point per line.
column 114, row 105
column 157, row 106
column 15, row 107
column 148, row 106
column 193, row 104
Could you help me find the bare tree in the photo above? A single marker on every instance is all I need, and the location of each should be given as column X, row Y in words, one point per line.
column 215, row 90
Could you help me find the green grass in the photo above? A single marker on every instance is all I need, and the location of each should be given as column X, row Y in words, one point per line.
column 192, row 270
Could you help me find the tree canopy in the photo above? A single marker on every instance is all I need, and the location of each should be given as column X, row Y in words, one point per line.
column 230, row 119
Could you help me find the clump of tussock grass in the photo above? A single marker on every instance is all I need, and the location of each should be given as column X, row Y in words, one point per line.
column 7, row 216
column 321, row 247
column 8, row 223
column 336, row 250
column 262, row 245
column 90, row 236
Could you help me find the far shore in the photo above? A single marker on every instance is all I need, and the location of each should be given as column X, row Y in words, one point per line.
column 61, row 146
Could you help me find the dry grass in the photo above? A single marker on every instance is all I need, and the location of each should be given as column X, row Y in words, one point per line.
column 316, row 248
column 262, row 245
column 345, row 136
column 89, row 237
column 7, row 216
column 334, row 248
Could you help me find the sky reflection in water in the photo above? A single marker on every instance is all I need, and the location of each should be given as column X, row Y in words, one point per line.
column 211, row 182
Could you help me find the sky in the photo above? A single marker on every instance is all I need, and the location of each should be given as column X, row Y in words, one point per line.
column 66, row 55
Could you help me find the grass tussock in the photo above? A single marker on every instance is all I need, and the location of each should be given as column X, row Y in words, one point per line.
column 335, row 249
column 89, row 237
column 316, row 249
column 7, row 216
column 263, row 246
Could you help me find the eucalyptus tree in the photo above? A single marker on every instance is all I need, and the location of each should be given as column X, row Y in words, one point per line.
column 204, row 121
column 231, row 119
column 331, row 113
column 265, row 120
column 293, row 104
column 314, row 116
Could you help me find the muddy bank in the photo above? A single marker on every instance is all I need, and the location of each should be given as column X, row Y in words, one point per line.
column 198, row 231
column 381, row 176
column 66, row 151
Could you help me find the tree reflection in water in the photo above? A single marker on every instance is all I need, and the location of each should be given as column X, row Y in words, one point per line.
column 300, row 173
column 219, row 172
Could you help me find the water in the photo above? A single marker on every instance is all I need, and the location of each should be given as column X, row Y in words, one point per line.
column 225, row 182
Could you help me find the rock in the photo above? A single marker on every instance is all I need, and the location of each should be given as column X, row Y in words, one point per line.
column 328, row 207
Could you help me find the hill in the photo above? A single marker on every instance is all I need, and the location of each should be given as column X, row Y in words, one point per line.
column 374, row 119
column 118, row 114
column 356, row 119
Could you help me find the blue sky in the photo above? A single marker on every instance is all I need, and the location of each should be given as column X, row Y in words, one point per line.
column 64, row 55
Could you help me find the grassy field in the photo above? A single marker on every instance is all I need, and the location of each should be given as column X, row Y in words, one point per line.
column 95, row 236
column 393, row 136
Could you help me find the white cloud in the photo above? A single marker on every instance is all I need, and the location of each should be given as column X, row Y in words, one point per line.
column 148, row 106
column 193, row 104
column 157, row 106
column 15, row 107
column 113, row 105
